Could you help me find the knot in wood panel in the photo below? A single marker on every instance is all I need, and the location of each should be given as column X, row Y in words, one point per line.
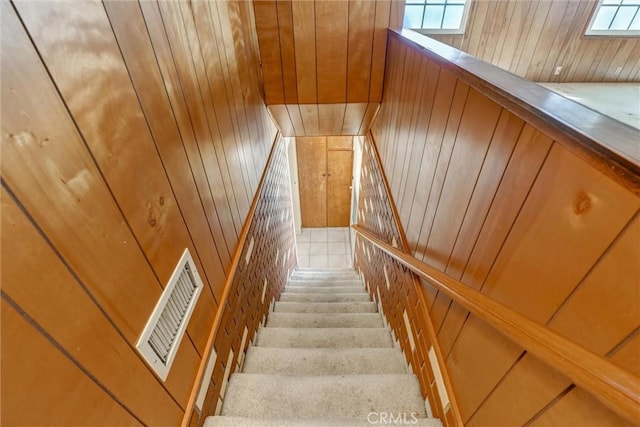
column 582, row 203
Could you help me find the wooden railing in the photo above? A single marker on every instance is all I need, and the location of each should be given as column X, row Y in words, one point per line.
column 613, row 386
column 242, row 240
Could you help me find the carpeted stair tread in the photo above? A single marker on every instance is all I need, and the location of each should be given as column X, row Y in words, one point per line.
column 324, row 361
column 311, row 274
column 325, row 307
column 280, row 396
column 325, row 283
column 325, row 289
column 404, row 420
column 324, row 337
column 325, row 320
column 301, row 297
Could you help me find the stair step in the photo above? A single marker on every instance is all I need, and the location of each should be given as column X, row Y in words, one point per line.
column 325, row 307
column 324, row 337
column 301, row 297
column 311, row 273
column 400, row 419
column 324, row 361
column 324, row 283
column 279, row 396
column 325, row 320
column 325, row 289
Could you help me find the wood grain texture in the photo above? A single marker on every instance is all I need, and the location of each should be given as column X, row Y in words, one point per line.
column 532, row 37
column 531, row 385
column 304, row 39
column 124, row 145
column 266, row 14
column 361, row 17
column 312, row 171
column 37, row 280
column 324, row 51
column 603, row 142
column 525, row 219
column 323, row 119
column 339, row 166
column 27, row 400
column 332, row 40
column 288, row 58
column 613, row 385
column 210, row 171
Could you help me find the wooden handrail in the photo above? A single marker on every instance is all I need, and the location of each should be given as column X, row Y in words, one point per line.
column 455, row 408
column 613, row 386
column 609, row 145
column 227, row 289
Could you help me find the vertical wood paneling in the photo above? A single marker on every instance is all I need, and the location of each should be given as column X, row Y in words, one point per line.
column 48, row 304
column 324, row 51
column 425, row 112
column 456, row 236
column 532, row 37
column 530, row 152
column 220, row 74
column 619, row 300
column 496, row 203
column 106, row 137
column 330, row 118
column 139, row 55
column 310, row 118
column 332, row 39
column 379, row 48
column 360, row 44
column 210, row 171
column 581, row 408
column 269, row 38
column 288, row 58
column 304, row 39
column 28, row 400
column 131, row 131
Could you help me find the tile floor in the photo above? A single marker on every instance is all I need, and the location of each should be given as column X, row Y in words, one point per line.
column 324, row 248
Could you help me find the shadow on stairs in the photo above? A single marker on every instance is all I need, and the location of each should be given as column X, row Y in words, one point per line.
column 325, row 358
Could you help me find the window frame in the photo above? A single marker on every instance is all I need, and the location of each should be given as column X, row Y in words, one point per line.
column 448, row 31
column 589, row 32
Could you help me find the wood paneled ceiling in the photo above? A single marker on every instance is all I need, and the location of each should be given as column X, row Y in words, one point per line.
column 531, row 38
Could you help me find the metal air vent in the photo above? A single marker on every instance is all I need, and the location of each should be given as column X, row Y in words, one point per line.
column 161, row 337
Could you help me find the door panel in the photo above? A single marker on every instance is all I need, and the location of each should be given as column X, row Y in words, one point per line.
column 339, row 165
column 312, row 166
column 340, row 143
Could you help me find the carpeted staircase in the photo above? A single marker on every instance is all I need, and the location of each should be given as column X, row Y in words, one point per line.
column 324, row 358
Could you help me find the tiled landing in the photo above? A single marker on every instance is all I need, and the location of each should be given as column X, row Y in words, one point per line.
column 324, row 248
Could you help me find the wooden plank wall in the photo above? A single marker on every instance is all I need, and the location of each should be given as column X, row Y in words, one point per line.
column 496, row 203
column 532, row 37
column 125, row 139
column 324, row 51
column 324, row 119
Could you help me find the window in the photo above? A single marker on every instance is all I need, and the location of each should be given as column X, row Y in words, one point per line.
column 436, row 16
column 615, row 18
